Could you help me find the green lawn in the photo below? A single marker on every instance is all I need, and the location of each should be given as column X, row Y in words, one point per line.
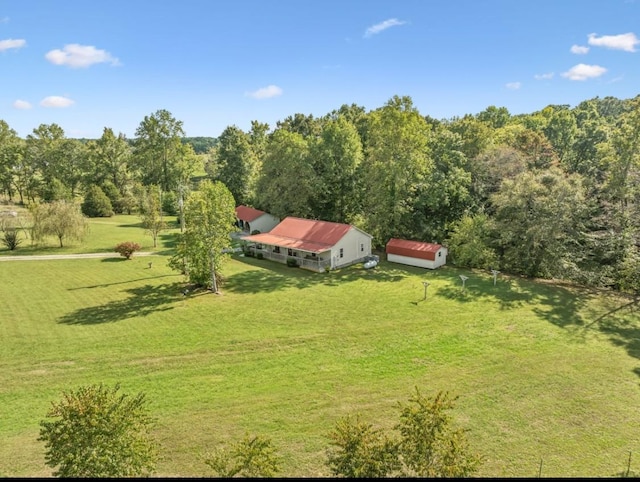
column 103, row 235
column 543, row 372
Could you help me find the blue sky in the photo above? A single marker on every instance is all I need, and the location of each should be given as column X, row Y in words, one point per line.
column 86, row 65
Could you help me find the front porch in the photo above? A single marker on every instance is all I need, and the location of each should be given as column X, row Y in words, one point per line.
column 305, row 259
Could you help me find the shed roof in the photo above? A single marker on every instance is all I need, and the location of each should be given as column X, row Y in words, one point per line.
column 413, row 249
column 304, row 234
column 246, row 213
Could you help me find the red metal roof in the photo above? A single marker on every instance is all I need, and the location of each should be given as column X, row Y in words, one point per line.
column 303, row 234
column 413, row 249
column 245, row 213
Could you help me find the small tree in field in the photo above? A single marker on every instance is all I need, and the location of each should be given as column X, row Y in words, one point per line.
column 151, row 212
column 250, row 457
column 96, row 203
column 61, row 219
column 97, row 432
column 127, row 249
column 427, row 446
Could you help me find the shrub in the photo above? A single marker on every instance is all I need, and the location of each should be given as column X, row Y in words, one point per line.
column 259, row 255
column 96, row 203
column 292, row 262
column 11, row 239
column 255, row 231
column 127, row 249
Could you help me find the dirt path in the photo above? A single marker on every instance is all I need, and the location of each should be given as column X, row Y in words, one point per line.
column 70, row 256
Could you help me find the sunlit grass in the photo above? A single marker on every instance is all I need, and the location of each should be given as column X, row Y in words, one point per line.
column 543, row 372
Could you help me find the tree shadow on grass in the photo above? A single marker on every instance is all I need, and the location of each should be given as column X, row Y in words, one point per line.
column 274, row 276
column 142, row 301
column 104, row 285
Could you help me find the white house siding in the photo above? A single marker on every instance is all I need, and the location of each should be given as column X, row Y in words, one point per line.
column 355, row 245
column 441, row 259
column 264, row 223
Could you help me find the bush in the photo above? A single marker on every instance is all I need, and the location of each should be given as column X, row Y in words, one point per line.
column 11, row 239
column 96, row 203
column 292, row 262
column 255, row 231
column 253, row 456
column 127, row 249
column 259, row 255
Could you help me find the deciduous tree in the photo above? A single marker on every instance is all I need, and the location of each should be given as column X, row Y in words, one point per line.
column 62, row 219
column 253, row 456
column 210, row 218
column 95, row 431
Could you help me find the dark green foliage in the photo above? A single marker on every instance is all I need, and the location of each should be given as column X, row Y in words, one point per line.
column 292, row 262
column 127, row 248
column 259, row 255
column 96, row 204
column 251, row 457
column 427, row 445
column 170, row 203
column 361, row 451
column 113, row 193
column 11, row 239
column 255, row 231
column 96, row 432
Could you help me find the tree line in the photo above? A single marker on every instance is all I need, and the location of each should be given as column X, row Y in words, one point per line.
column 550, row 194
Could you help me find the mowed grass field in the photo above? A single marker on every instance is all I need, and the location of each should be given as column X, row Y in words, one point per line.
column 543, row 372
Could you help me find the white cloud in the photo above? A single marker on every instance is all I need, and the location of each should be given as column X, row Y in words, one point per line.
column 513, row 85
column 80, row 56
column 584, row 72
column 21, row 104
column 56, row 101
column 579, row 49
column 546, row 76
column 265, row 92
column 625, row 41
column 12, row 44
column 379, row 27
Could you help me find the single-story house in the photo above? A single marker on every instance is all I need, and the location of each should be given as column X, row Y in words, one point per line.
column 416, row 253
column 250, row 219
column 315, row 245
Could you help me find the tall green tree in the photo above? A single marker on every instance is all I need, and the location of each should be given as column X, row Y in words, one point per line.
column 110, row 157
column 236, row 164
column 286, row 183
column 95, row 431
column 446, row 193
column 397, row 165
column 210, row 218
column 9, row 152
column 158, row 150
column 336, row 157
column 540, row 222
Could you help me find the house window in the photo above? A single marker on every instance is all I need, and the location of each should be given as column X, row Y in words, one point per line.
column 290, row 252
column 439, row 254
column 276, row 249
column 313, row 255
column 361, row 246
column 341, row 252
